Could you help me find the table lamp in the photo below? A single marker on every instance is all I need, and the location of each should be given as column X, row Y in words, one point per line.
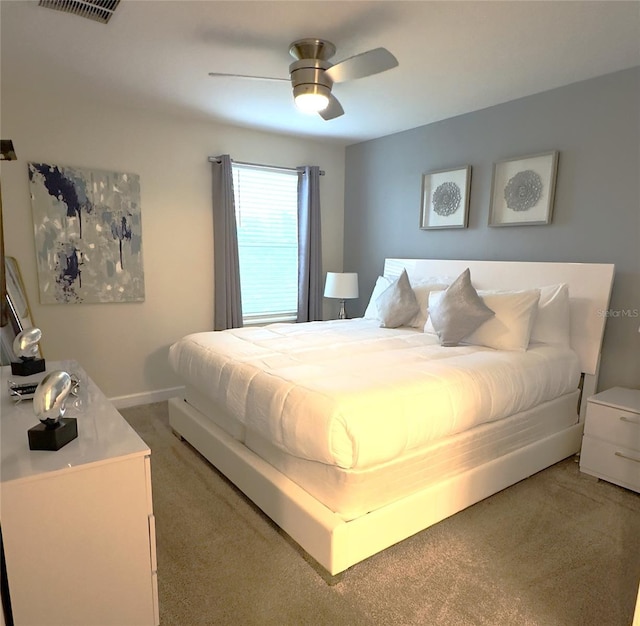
column 343, row 286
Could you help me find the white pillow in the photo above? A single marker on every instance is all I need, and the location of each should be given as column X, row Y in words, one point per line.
column 510, row 327
column 553, row 320
column 371, row 312
column 422, row 289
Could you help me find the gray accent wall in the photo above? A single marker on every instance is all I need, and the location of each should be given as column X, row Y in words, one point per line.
column 595, row 126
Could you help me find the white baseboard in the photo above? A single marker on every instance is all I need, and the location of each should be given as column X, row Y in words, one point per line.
column 146, row 397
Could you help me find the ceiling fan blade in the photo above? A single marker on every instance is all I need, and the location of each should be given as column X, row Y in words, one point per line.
column 333, row 110
column 223, row 75
column 361, row 65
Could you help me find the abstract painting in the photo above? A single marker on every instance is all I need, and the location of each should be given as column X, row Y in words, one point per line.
column 445, row 198
column 88, row 234
column 523, row 190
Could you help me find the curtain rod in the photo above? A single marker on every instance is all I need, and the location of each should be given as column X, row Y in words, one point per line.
column 263, row 166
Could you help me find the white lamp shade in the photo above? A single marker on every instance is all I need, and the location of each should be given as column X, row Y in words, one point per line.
column 341, row 285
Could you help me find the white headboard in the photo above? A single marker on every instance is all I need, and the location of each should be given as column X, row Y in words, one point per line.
column 589, row 290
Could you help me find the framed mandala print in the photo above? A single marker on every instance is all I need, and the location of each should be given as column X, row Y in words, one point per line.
column 523, row 190
column 445, row 198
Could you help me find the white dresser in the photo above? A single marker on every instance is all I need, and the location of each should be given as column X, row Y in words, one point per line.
column 611, row 441
column 77, row 524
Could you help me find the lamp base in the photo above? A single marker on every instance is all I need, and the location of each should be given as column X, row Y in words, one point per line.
column 43, row 437
column 27, row 367
column 342, row 315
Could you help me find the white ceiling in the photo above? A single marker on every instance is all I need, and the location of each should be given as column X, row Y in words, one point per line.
column 455, row 57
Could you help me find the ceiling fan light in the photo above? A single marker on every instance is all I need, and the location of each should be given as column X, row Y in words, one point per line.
column 312, row 102
column 311, row 98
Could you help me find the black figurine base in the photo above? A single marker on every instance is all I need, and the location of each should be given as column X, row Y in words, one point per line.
column 27, row 367
column 43, row 437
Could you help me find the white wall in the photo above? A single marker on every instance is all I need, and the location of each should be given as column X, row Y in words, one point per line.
column 124, row 346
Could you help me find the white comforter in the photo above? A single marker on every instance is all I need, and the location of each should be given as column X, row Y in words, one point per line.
column 349, row 393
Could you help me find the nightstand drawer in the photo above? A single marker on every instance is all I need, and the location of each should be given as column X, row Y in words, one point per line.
column 611, row 462
column 614, row 425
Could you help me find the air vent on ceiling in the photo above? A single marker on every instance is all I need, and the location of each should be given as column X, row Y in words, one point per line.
column 98, row 10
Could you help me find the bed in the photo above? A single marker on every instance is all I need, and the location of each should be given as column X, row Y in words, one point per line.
column 324, row 426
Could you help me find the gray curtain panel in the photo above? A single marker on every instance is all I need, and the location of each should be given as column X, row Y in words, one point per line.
column 309, row 245
column 227, row 306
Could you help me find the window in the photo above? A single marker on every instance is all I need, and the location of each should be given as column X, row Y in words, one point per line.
column 267, row 220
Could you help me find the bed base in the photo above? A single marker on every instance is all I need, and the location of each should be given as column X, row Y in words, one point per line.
column 337, row 544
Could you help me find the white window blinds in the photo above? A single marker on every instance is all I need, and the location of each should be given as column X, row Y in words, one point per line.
column 267, row 220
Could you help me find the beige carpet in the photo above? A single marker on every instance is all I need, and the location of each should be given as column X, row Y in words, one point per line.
column 558, row 549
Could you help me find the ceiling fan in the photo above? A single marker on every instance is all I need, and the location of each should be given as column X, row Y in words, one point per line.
column 312, row 75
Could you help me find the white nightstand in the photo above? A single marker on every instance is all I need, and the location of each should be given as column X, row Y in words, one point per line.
column 611, row 442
